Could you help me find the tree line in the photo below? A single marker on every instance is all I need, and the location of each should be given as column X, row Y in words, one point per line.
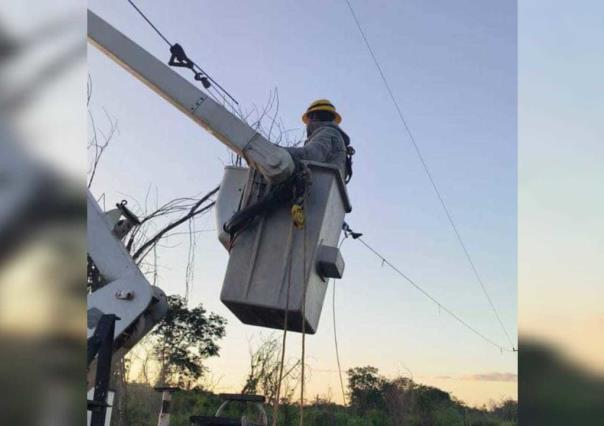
column 186, row 337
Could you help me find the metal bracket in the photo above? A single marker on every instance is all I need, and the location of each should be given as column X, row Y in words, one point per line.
column 128, row 213
column 180, row 59
column 330, row 263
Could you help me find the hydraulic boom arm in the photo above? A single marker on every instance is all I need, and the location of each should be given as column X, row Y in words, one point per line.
column 136, row 305
column 273, row 162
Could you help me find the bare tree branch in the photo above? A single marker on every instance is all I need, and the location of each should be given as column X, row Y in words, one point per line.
column 97, row 145
column 194, row 211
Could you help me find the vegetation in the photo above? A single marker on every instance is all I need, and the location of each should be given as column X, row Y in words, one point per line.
column 374, row 400
column 182, row 340
column 173, row 355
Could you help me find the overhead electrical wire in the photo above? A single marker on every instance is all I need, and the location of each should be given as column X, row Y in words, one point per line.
column 140, row 12
column 194, row 64
column 430, row 178
column 427, row 171
column 433, row 299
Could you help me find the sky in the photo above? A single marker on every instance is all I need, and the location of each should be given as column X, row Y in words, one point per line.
column 452, row 67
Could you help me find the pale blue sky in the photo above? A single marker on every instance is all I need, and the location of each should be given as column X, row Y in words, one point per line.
column 452, row 67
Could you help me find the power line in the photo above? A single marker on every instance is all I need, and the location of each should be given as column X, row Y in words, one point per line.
column 427, row 171
column 192, row 64
column 140, row 12
column 433, row 299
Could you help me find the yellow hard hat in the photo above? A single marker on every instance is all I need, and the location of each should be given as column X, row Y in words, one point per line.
column 321, row 105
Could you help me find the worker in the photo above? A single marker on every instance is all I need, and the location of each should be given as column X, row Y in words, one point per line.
column 326, row 142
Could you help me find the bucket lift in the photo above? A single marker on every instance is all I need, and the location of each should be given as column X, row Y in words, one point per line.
column 273, row 270
column 263, row 259
column 271, row 263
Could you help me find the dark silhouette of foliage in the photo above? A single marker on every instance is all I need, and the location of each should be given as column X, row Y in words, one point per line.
column 365, row 388
column 384, row 402
column 183, row 339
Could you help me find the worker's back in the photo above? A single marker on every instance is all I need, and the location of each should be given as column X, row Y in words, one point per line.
column 327, row 143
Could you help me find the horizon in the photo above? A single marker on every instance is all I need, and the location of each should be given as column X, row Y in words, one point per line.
column 471, row 151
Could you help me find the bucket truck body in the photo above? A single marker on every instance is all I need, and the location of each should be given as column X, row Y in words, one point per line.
column 136, row 304
column 125, row 292
column 254, row 284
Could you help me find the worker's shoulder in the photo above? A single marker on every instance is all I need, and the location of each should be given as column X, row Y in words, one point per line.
column 328, row 131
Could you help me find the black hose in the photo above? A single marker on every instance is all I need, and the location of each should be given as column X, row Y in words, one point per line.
column 275, row 198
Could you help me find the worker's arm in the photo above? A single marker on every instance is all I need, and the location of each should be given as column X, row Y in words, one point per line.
column 322, row 146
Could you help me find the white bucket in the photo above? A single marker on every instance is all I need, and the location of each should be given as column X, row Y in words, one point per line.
column 229, row 198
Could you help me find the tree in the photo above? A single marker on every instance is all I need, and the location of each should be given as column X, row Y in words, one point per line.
column 433, row 404
column 507, row 410
column 365, row 388
column 183, row 339
column 263, row 376
column 399, row 399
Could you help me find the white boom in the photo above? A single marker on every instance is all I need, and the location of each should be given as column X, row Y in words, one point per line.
column 127, row 294
column 272, row 161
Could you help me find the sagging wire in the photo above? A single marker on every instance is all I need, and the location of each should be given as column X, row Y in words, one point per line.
column 427, row 171
column 385, row 261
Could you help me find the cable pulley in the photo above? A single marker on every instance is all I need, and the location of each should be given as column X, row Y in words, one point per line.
column 180, row 59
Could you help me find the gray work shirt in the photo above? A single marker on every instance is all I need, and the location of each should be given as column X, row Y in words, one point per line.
column 326, row 143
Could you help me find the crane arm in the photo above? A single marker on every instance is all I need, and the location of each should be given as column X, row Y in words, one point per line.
column 272, row 161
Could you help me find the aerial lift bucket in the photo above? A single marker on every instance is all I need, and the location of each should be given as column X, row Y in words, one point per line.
column 270, row 254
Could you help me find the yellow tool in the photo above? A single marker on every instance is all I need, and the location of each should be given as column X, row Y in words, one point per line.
column 298, row 216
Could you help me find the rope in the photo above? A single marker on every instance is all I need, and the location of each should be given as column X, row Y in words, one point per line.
column 282, row 361
column 303, row 323
column 427, row 171
column 294, row 225
column 335, row 334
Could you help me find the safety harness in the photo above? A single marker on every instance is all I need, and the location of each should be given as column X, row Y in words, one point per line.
column 350, row 151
